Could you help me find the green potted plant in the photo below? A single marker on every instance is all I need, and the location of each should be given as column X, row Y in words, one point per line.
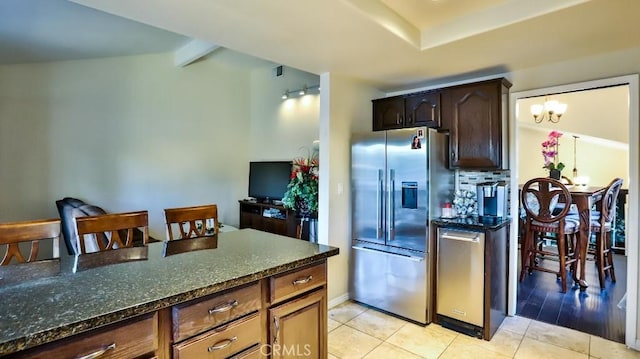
column 302, row 190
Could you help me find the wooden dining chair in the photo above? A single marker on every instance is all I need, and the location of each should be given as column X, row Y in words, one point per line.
column 602, row 226
column 114, row 236
column 17, row 266
column 197, row 221
column 540, row 198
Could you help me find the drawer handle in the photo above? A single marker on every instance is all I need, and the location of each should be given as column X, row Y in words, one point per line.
column 303, row 280
column 224, row 307
column 221, row 344
column 100, row 352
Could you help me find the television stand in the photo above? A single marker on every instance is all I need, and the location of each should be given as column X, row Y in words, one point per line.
column 268, row 217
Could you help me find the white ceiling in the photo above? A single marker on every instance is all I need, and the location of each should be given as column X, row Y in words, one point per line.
column 56, row 30
column 392, row 44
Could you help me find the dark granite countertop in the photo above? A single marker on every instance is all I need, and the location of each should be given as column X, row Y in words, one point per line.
column 44, row 310
column 473, row 223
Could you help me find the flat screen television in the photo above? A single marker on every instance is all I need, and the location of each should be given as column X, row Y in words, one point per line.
column 268, row 180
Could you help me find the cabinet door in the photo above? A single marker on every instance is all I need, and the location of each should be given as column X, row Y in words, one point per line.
column 298, row 328
column 423, row 109
column 388, row 113
column 476, row 125
column 250, row 215
column 274, row 225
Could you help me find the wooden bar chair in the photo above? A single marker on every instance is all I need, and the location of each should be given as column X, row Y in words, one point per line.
column 114, row 235
column 541, row 198
column 17, row 266
column 197, row 221
column 603, row 225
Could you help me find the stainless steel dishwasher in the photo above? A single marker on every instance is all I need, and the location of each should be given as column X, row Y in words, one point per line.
column 460, row 280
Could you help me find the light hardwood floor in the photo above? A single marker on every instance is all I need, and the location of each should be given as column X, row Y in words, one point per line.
column 356, row 331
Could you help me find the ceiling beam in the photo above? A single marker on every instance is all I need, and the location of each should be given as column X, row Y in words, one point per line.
column 193, row 51
column 491, row 18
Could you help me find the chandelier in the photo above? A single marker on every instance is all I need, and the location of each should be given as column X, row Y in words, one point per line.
column 552, row 110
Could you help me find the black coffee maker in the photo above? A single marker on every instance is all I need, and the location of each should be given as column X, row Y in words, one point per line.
column 492, row 201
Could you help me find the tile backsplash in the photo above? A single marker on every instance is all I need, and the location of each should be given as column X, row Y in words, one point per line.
column 467, row 180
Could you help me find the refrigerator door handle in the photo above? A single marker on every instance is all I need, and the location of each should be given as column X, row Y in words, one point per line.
column 380, row 199
column 391, row 204
column 411, row 258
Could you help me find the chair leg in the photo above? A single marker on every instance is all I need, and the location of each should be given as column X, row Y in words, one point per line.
column 600, row 257
column 525, row 254
column 562, row 256
column 611, row 269
column 573, row 240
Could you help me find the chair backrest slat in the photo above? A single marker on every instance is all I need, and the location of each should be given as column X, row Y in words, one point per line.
column 17, row 266
column 540, row 198
column 117, row 228
column 609, row 200
column 15, row 232
column 191, row 221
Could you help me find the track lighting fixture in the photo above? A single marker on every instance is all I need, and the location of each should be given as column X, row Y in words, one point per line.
column 305, row 90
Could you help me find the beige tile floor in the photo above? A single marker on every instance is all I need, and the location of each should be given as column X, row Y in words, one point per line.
column 356, row 331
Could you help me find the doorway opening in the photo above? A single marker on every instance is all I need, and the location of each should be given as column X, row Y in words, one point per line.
column 599, row 142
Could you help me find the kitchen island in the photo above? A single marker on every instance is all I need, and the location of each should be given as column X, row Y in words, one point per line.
column 57, row 313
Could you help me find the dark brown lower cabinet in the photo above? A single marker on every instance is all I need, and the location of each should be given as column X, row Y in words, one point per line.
column 268, row 218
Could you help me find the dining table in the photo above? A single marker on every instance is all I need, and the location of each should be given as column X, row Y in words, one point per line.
column 584, row 198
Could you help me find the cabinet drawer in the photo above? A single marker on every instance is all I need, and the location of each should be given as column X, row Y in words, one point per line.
column 255, row 352
column 222, row 343
column 193, row 318
column 127, row 340
column 290, row 284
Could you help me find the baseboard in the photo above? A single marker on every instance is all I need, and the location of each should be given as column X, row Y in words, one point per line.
column 338, row 300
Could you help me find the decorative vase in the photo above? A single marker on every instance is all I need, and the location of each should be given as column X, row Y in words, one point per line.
column 555, row 174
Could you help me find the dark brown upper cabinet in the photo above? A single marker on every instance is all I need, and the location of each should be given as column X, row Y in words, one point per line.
column 476, row 115
column 413, row 110
column 388, row 113
column 423, row 109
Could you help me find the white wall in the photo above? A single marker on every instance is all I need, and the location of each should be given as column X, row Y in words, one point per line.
column 279, row 128
column 599, row 160
column 133, row 133
column 600, row 113
column 345, row 108
column 125, row 133
column 600, row 119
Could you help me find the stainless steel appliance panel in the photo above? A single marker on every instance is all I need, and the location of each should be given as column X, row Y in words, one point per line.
column 394, row 282
column 407, row 183
column 390, row 219
column 460, row 275
column 368, row 186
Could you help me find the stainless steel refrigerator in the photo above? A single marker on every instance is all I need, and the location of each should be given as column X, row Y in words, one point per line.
column 399, row 181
